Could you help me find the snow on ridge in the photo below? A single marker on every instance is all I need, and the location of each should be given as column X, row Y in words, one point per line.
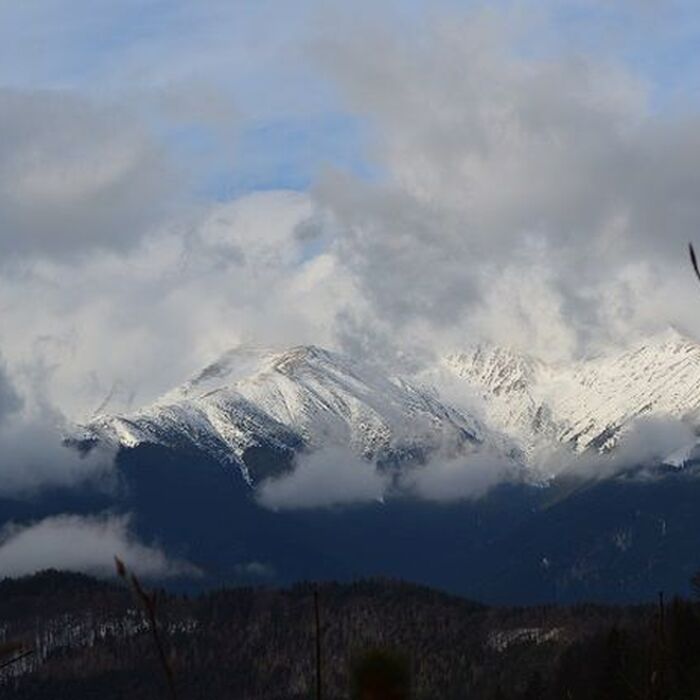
column 304, row 397
column 589, row 403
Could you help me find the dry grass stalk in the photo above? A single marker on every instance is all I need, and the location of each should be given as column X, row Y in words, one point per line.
column 148, row 601
column 694, row 260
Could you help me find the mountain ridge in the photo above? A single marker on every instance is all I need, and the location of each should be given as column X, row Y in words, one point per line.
column 303, row 398
column 283, row 402
column 589, row 403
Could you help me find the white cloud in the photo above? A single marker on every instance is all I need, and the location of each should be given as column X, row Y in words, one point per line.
column 333, row 476
column 647, row 443
column 327, row 477
column 87, row 544
column 520, row 188
column 255, row 570
column 242, row 273
column 466, row 477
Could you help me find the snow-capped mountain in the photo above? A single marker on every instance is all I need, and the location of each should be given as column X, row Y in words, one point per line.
column 258, row 407
column 542, row 536
column 587, row 404
column 254, row 400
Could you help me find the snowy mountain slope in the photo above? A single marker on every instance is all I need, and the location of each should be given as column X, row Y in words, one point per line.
column 509, row 390
column 588, row 404
column 257, row 406
column 305, row 397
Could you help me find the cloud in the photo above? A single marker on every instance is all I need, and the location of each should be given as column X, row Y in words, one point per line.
column 33, row 457
column 10, row 402
column 243, row 272
column 32, row 453
column 255, row 570
column 466, row 477
column 77, row 174
column 546, row 177
column 325, row 478
column 334, row 476
column 87, row 544
column 649, row 442
column 523, row 194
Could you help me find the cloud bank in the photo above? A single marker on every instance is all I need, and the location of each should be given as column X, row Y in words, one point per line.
column 85, row 544
column 537, row 201
column 335, row 477
column 76, row 174
column 516, row 191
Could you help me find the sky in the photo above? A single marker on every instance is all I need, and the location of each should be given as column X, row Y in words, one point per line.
column 395, row 180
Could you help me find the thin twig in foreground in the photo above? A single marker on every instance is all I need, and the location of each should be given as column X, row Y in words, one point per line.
column 23, row 655
column 694, row 260
column 148, row 602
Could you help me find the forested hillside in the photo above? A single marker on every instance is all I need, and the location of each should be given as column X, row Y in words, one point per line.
column 90, row 639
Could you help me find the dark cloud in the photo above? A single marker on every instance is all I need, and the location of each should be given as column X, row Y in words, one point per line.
column 32, row 450
column 10, row 402
column 77, row 174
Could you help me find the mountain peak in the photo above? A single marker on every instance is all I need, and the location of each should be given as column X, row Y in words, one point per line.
column 244, row 362
column 587, row 404
column 500, row 370
column 301, row 398
column 307, row 397
column 304, row 354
